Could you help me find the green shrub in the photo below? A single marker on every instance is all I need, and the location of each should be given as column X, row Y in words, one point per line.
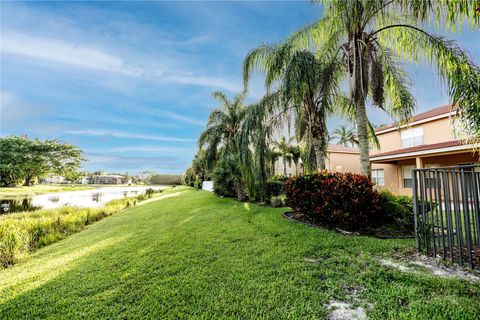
column 198, row 183
column 274, row 188
column 337, row 200
column 23, row 232
column 277, row 202
column 227, row 179
column 149, row 192
column 280, row 177
column 189, row 177
column 396, row 209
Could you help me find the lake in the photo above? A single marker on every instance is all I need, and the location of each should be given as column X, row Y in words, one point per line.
column 83, row 198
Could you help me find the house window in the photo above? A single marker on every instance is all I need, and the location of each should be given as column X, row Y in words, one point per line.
column 407, row 176
column 378, row 177
column 412, row 137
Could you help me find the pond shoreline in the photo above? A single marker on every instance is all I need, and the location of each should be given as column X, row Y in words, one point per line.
column 89, row 198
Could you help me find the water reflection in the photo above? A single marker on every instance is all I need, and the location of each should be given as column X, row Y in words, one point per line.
column 84, row 198
column 17, row 205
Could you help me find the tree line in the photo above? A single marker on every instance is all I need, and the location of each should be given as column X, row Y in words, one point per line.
column 359, row 45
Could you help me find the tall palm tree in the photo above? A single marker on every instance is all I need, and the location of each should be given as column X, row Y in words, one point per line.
column 223, row 128
column 371, row 37
column 345, row 136
column 307, row 87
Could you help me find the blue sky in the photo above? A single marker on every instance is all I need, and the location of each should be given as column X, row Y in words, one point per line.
column 130, row 83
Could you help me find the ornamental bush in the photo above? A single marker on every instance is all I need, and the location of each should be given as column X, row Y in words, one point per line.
column 336, row 200
column 397, row 210
column 274, row 188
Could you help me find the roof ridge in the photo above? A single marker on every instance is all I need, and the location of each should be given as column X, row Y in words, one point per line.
column 443, row 109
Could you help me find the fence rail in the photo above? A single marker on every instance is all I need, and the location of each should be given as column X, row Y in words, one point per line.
column 447, row 213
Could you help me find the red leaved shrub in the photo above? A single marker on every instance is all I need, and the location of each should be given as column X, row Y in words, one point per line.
column 336, row 200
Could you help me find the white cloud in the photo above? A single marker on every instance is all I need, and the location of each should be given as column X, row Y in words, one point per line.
column 87, row 56
column 72, row 53
column 128, row 135
column 183, row 118
column 151, row 149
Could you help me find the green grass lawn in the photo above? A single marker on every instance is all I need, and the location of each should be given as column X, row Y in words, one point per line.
column 193, row 255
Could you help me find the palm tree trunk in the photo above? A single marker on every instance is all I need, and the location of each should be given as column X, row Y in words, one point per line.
column 358, row 93
column 362, row 132
column 284, row 166
column 319, row 153
column 318, row 142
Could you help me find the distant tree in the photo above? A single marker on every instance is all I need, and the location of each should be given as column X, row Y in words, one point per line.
column 287, row 152
column 24, row 160
column 345, row 137
column 168, row 179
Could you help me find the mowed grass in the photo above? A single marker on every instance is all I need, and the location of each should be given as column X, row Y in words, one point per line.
column 194, row 255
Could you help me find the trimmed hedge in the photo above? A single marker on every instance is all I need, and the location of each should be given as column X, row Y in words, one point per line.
column 335, row 200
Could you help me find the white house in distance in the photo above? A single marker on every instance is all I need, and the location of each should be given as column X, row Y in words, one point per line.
column 107, row 179
column 54, row 180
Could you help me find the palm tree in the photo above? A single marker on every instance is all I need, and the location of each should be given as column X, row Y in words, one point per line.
column 369, row 37
column 284, row 147
column 346, row 137
column 223, row 129
column 307, row 87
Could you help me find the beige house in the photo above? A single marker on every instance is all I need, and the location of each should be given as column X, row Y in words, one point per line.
column 339, row 159
column 429, row 139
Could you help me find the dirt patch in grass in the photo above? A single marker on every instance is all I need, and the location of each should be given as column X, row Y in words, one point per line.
column 421, row 264
column 349, row 309
column 345, row 311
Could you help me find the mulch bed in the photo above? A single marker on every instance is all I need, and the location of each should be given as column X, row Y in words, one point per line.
column 383, row 233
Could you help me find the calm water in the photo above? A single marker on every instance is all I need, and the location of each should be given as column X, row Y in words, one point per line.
column 83, row 198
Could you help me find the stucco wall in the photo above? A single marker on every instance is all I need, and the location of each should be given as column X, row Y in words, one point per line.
column 343, row 162
column 436, row 131
column 292, row 170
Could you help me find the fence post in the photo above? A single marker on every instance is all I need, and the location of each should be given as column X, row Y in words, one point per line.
column 415, row 208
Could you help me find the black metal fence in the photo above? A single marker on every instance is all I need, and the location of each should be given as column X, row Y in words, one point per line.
column 447, row 213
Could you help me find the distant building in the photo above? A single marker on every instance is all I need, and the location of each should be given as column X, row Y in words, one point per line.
column 107, row 179
column 54, row 179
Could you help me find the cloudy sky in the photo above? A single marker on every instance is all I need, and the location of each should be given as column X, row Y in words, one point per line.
column 130, row 83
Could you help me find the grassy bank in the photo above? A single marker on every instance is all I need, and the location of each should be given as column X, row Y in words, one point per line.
column 193, row 255
column 23, row 232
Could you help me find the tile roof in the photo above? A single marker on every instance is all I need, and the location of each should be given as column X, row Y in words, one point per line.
column 423, row 147
column 339, row 148
column 445, row 109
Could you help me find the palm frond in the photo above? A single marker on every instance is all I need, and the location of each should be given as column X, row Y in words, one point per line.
column 453, row 64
